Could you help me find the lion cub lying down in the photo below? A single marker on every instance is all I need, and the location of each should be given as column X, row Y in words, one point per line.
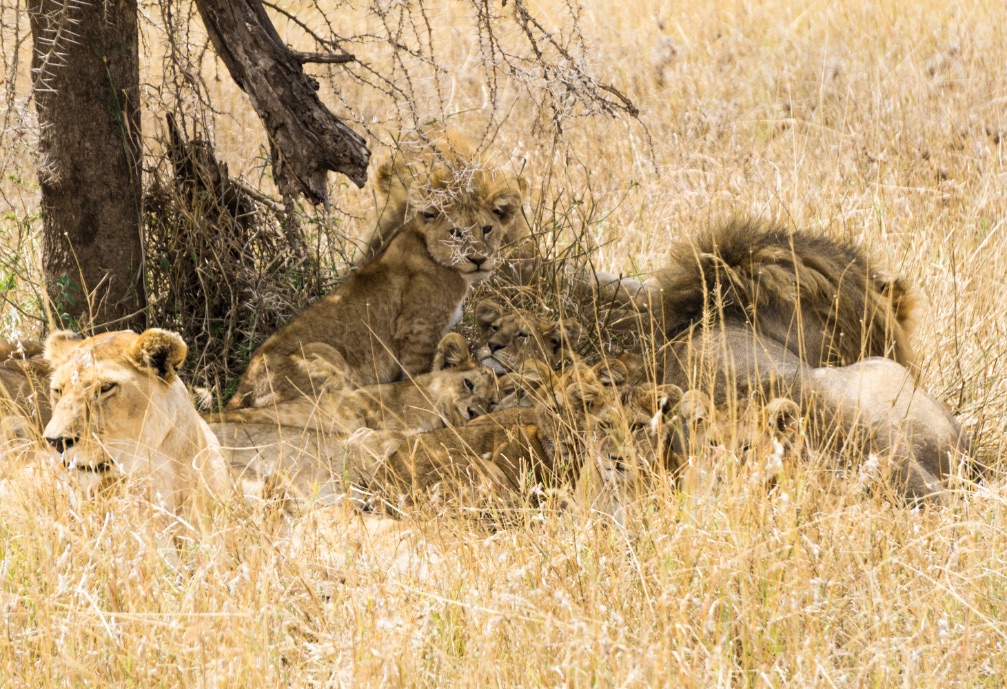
column 119, row 409
column 454, row 392
column 512, row 337
column 542, row 445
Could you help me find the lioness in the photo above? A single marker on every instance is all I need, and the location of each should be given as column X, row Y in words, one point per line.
column 456, row 391
column 512, row 337
column 119, row 409
column 384, row 322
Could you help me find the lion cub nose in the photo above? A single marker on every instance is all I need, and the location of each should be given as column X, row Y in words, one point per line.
column 61, row 444
column 495, row 347
column 477, row 261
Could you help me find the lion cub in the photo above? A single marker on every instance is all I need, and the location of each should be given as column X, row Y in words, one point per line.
column 544, row 447
column 513, row 337
column 454, row 392
column 384, row 322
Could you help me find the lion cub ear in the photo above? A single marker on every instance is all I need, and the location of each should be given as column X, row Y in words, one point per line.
column 611, row 372
column 695, row 407
column 59, row 345
column 452, row 352
column 668, row 398
column 487, row 312
column 160, row 351
column 585, row 396
column 390, row 174
column 562, row 335
column 506, row 206
column 783, row 418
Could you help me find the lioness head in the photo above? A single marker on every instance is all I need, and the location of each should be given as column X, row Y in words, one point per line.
column 115, row 397
column 462, row 388
column 513, row 337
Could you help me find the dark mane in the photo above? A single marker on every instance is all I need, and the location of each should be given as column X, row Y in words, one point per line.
column 823, row 299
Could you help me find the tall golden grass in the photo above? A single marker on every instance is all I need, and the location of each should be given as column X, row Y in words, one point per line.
column 882, row 122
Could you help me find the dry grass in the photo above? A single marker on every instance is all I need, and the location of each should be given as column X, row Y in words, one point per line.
column 881, row 122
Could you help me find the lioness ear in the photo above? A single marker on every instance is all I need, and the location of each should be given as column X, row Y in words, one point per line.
column 487, row 312
column 783, row 417
column 161, row 351
column 452, row 352
column 611, row 372
column 59, row 345
column 506, row 206
column 565, row 334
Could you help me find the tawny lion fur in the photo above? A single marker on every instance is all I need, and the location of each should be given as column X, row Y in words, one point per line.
column 384, row 322
column 434, row 167
column 119, row 410
column 457, row 390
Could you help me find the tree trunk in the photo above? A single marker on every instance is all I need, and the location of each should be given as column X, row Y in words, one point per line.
column 85, row 70
column 306, row 139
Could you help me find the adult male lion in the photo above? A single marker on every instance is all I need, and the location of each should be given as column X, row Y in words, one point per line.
column 384, row 322
column 119, row 409
column 748, row 308
column 746, row 303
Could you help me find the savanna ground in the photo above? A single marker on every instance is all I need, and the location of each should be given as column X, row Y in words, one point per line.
column 880, row 122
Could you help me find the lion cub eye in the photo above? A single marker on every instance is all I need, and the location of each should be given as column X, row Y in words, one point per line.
column 522, row 334
column 469, row 385
column 428, row 215
column 487, row 229
column 495, row 327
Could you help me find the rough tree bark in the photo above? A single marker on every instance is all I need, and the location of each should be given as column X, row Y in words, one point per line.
column 85, row 69
column 307, row 140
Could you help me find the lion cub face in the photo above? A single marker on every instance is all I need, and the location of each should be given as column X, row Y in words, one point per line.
column 463, row 228
column 513, row 338
column 112, row 397
column 765, row 435
column 637, row 434
column 462, row 388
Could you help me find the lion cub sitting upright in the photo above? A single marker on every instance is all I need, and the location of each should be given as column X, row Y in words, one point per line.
column 384, row 322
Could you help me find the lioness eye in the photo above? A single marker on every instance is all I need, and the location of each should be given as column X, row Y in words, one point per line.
column 495, row 327
column 57, row 392
column 108, row 387
column 522, row 335
column 469, row 385
column 487, row 229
